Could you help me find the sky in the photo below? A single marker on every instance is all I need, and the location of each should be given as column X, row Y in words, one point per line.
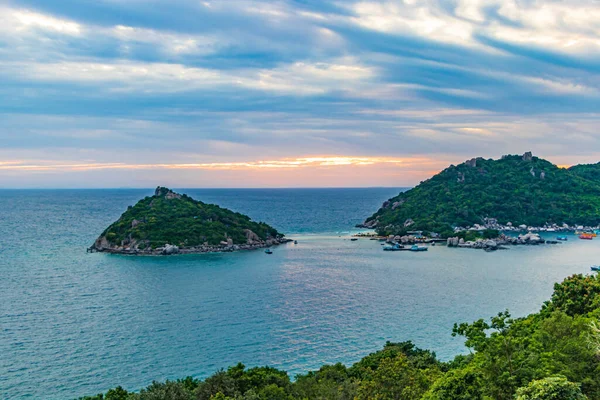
column 304, row 93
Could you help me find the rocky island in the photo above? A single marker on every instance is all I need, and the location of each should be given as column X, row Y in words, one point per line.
column 515, row 193
column 170, row 223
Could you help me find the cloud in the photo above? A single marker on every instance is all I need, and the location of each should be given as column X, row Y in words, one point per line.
column 19, row 21
column 184, row 80
column 299, row 78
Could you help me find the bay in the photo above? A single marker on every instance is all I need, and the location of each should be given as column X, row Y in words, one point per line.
column 73, row 324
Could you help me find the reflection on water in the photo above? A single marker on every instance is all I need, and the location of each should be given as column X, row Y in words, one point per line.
column 74, row 323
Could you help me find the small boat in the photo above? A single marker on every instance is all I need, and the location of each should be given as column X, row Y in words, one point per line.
column 595, row 268
column 396, row 247
column 418, row 248
column 269, row 251
column 562, row 238
column 586, row 236
column 354, row 239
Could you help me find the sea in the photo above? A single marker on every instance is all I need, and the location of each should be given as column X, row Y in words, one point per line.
column 75, row 324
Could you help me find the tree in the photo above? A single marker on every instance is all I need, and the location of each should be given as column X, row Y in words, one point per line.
column 462, row 384
column 396, row 378
column 117, row 393
column 552, row 388
column 576, row 295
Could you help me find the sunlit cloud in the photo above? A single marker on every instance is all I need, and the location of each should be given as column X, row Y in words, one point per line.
column 24, row 19
column 305, row 162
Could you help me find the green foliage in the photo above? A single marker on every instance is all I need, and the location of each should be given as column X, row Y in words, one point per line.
column 504, row 189
column 397, row 378
column 552, row 388
column 180, row 220
column 329, row 382
column 461, row 384
column 552, row 354
column 577, row 295
column 474, row 235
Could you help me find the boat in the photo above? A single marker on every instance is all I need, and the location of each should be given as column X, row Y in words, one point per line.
column 586, row 236
column 595, row 268
column 295, row 242
column 396, row 247
column 354, row 239
column 562, row 238
column 418, row 248
column 269, row 251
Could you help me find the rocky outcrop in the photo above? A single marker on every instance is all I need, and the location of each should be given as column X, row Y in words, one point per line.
column 452, row 242
column 472, row 162
column 251, row 237
column 496, row 244
column 166, row 193
column 527, row 156
column 169, row 249
column 370, row 224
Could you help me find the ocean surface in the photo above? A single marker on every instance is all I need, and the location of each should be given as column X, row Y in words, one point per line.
column 74, row 324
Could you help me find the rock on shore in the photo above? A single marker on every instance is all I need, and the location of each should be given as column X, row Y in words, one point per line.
column 495, row 244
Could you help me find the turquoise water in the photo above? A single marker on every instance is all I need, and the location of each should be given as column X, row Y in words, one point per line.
column 73, row 323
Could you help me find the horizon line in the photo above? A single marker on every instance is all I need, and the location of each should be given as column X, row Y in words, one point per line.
column 206, row 188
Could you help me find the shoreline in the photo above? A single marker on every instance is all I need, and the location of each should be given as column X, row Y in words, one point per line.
column 169, row 250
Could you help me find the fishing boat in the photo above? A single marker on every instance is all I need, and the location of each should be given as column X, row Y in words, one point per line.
column 562, row 238
column 395, row 247
column 586, row 236
column 269, row 251
column 595, row 268
column 418, row 248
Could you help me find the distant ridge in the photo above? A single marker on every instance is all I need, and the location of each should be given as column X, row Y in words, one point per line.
column 521, row 189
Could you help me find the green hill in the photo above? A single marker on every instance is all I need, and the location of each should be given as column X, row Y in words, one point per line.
column 177, row 219
column 587, row 171
column 517, row 189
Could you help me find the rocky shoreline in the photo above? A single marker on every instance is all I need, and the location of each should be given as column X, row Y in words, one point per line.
column 169, row 249
column 498, row 243
column 501, row 242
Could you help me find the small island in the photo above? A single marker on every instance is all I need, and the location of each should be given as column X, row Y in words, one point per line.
column 172, row 223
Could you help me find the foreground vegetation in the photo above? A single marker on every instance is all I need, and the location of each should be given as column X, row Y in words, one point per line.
column 177, row 219
column 551, row 355
column 517, row 189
